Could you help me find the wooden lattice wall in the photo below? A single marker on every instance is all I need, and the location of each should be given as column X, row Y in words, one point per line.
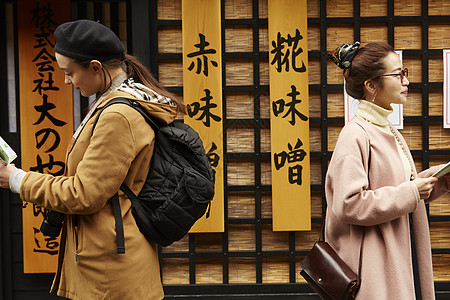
column 248, row 144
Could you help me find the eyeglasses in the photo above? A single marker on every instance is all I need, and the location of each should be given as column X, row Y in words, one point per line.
column 403, row 73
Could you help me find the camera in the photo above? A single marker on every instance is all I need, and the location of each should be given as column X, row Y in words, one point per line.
column 52, row 224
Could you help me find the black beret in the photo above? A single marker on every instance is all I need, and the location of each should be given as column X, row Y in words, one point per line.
column 87, row 40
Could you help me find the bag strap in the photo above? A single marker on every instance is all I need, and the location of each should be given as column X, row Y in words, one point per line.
column 322, row 238
column 131, row 103
column 120, row 237
column 119, row 224
column 118, row 216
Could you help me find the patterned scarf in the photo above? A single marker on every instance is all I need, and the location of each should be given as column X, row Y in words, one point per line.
column 142, row 92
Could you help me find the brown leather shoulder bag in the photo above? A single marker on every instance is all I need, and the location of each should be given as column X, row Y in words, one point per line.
column 328, row 274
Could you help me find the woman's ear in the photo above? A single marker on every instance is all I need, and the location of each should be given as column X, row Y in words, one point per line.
column 96, row 66
column 370, row 90
column 370, row 86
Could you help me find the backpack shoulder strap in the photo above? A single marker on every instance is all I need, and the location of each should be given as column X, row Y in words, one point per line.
column 133, row 104
column 115, row 199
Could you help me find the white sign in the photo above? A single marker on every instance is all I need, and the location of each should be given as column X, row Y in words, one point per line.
column 446, row 88
column 351, row 104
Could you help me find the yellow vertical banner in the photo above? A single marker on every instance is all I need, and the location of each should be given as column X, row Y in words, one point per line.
column 46, row 116
column 202, row 93
column 289, row 115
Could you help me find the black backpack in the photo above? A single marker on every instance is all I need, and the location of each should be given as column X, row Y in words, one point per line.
column 179, row 186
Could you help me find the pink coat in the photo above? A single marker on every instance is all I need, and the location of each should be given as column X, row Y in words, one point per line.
column 369, row 200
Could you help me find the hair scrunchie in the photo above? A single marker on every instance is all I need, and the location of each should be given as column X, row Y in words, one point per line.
column 344, row 55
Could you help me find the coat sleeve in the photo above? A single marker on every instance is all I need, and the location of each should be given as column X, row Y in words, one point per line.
column 441, row 186
column 98, row 176
column 349, row 191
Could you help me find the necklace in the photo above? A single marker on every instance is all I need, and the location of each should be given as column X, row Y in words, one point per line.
column 404, row 151
column 401, row 146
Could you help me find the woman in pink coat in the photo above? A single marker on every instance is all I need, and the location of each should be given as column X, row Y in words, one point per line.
column 372, row 184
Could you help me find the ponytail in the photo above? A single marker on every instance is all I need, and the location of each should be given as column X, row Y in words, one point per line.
column 140, row 74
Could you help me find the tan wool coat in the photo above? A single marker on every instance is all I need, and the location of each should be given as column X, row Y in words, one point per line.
column 118, row 151
column 369, row 200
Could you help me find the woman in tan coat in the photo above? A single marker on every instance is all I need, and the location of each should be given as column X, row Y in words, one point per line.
column 118, row 151
column 372, row 184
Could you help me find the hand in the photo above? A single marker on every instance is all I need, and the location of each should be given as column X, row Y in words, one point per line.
column 5, row 172
column 425, row 186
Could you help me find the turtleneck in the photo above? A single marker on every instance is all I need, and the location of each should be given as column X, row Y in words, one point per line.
column 378, row 116
column 374, row 114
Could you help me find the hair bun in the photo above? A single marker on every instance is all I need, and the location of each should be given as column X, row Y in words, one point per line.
column 344, row 54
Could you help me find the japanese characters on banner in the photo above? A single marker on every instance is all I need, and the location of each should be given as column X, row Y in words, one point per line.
column 46, row 116
column 395, row 118
column 446, row 88
column 289, row 115
column 202, row 93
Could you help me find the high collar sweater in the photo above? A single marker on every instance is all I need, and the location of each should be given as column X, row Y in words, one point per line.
column 378, row 116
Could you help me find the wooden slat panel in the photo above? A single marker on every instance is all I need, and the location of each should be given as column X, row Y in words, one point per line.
column 274, row 240
column 338, row 34
column 171, row 72
column 413, row 106
column 180, row 246
column 438, row 7
column 414, row 65
column 407, row 36
column 241, row 172
column 436, row 102
column 275, row 270
column 313, row 8
column 242, row 270
column 241, row 205
column 313, row 36
column 407, row 8
column 441, row 263
column 238, row 39
column 264, row 72
column 240, row 105
column 439, row 36
column 241, row 238
column 373, row 32
column 412, row 132
column 304, row 240
column 238, row 9
column 440, row 235
column 169, row 39
column 240, row 139
column 175, row 271
column 435, row 68
column 208, row 242
column 439, row 137
column 208, row 270
column 335, row 99
column 339, row 8
column 314, row 71
column 239, row 71
column 169, row 9
column 370, row 8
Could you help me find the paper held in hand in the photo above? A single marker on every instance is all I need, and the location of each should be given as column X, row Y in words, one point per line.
column 442, row 171
column 7, row 154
